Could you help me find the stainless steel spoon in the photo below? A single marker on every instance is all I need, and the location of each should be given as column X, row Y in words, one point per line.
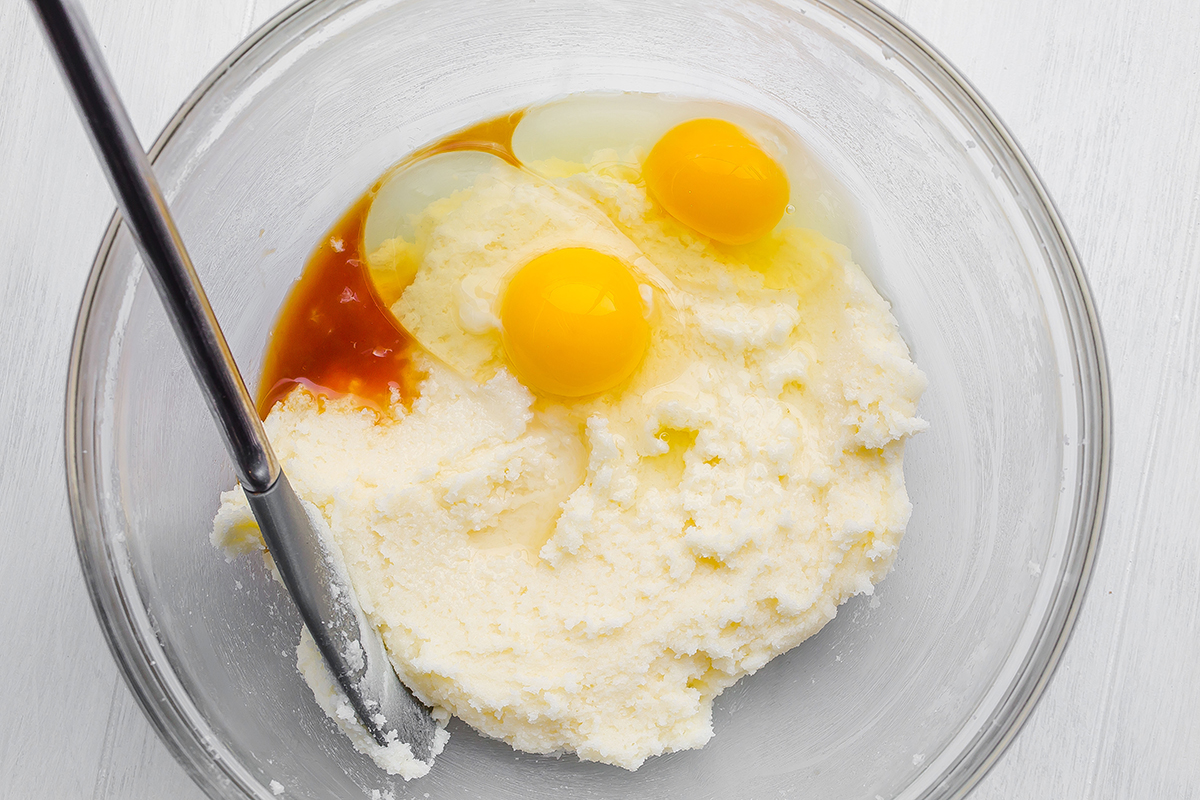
column 310, row 570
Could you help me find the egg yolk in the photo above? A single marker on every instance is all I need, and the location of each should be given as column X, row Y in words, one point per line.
column 711, row 176
column 572, row 322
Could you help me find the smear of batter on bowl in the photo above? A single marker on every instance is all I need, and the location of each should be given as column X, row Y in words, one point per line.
column 637, row 434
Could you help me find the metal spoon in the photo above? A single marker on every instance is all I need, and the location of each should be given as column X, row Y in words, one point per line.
column 310, row 571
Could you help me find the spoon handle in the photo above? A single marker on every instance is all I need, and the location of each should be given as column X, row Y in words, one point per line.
column 145, row 211
column 310, row 569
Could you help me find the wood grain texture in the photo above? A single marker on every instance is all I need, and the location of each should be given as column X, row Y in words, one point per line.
column 1105, row 99
column 68, row 725
column 1103, row 96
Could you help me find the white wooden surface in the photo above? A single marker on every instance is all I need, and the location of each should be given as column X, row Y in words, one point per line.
column 1104, row 97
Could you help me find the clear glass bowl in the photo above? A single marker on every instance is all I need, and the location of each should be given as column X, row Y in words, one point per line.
column 911, row 694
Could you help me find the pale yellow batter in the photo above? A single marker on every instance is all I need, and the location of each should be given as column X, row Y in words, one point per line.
column 588, row 576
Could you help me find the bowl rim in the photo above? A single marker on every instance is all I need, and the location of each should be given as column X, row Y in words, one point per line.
column 100, row 564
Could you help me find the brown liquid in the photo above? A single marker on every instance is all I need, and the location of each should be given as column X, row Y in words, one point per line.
column 491, row 136
column 334, row 335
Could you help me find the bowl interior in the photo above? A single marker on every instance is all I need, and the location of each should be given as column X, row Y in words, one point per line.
column 896, row 694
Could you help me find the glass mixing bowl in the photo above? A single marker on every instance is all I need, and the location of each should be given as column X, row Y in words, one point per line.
column 910, row 694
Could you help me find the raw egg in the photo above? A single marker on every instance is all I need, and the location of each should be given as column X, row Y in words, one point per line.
column 388, row 237
column 572, row 322
column 610, row 130
column 711, row 176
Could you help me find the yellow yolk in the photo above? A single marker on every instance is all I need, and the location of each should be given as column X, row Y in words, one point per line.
column 573, row 322
column 711, row 176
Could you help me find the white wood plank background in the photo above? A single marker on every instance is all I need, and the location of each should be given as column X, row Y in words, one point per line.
column 1104, row 97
